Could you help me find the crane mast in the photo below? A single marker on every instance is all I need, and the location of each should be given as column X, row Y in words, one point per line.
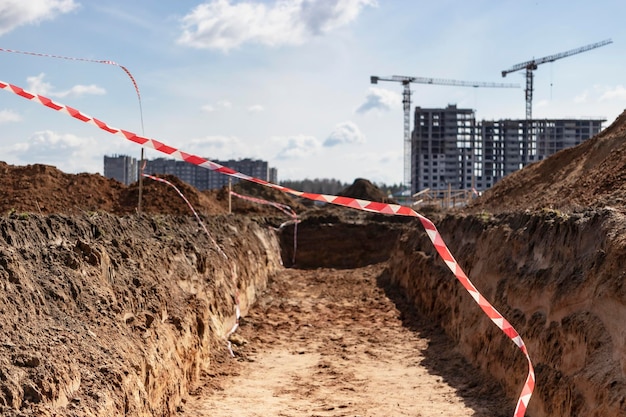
column 406, row 104
column 531, row 65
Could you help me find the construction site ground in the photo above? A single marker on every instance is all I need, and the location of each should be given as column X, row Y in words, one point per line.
column 107, row 311
column 342, row 342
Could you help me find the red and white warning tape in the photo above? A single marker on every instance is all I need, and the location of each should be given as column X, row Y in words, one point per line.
column 355, row 203
column 97, row 61
column 237, row 308
column 285, row 209
column 282, row 207
column 221, row 252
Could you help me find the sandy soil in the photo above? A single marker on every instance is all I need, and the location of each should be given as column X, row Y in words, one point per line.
column 328, row 342
column 80, row 329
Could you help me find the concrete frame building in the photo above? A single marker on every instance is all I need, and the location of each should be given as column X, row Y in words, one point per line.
column 451, row 150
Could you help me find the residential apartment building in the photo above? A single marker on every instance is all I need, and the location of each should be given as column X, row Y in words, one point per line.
column 451, row 150
column 122, row 168
column 199, row 177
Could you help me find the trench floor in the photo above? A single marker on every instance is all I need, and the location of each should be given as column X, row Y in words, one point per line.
column 341, row 342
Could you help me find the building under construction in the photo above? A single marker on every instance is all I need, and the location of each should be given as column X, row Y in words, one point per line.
column 450, row 150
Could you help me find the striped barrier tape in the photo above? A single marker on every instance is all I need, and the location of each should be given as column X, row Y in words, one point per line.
column 237, row 308
column 221, row 252
column 365, row 205
column 235, row 326
column 282, row 207
column 96, row 61
column 285, row 209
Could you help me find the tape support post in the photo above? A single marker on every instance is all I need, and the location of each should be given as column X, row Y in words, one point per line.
column 370, row 206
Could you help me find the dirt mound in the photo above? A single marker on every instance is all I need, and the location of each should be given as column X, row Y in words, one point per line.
column 158, row 197
column 592, row 174
column 250, row 189
column 364, row 190
column 44, row 189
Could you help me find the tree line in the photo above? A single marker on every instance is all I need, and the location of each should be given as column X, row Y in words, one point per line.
column 332, row 186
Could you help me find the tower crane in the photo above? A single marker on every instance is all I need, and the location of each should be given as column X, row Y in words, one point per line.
column 531, row 65
column 406, row 101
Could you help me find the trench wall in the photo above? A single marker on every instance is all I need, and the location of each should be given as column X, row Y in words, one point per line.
column 103, row 315
column 559, row 279
column 106, row 315
column 327, row 241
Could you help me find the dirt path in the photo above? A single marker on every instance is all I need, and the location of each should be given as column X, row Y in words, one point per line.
column 331, row 342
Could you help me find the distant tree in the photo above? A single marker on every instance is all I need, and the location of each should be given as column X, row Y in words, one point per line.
column 318, row 186
column 333, row 186
column 393, row 189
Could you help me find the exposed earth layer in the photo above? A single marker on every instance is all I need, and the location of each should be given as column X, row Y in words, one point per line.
column 111, row 311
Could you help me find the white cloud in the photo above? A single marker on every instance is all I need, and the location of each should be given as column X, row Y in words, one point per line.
column 225, row 104
column 618, row 92
column 47, row 140
column 218, row 147
column 582, row 97
column 344, row 133
column 299, row 146
column 37, row 85
column 15, row 13
column 67, row 152
column 380, row 99
column 222, row 104
column 7, row 116
column 256, row 108
column 218, row 24
column 81, row 90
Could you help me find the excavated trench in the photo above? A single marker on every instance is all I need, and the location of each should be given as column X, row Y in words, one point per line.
column 557, row 278
column 108, row 315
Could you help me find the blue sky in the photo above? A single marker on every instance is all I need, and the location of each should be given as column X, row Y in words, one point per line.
column 288, row 81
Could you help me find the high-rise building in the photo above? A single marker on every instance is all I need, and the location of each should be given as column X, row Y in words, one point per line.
column 273, row 175
column 451, row 150
column 444, row 149
column 121, row 167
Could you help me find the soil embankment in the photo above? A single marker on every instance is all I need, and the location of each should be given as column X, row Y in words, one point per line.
column 104, row 315
column 557, row 278
column 107, row 312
